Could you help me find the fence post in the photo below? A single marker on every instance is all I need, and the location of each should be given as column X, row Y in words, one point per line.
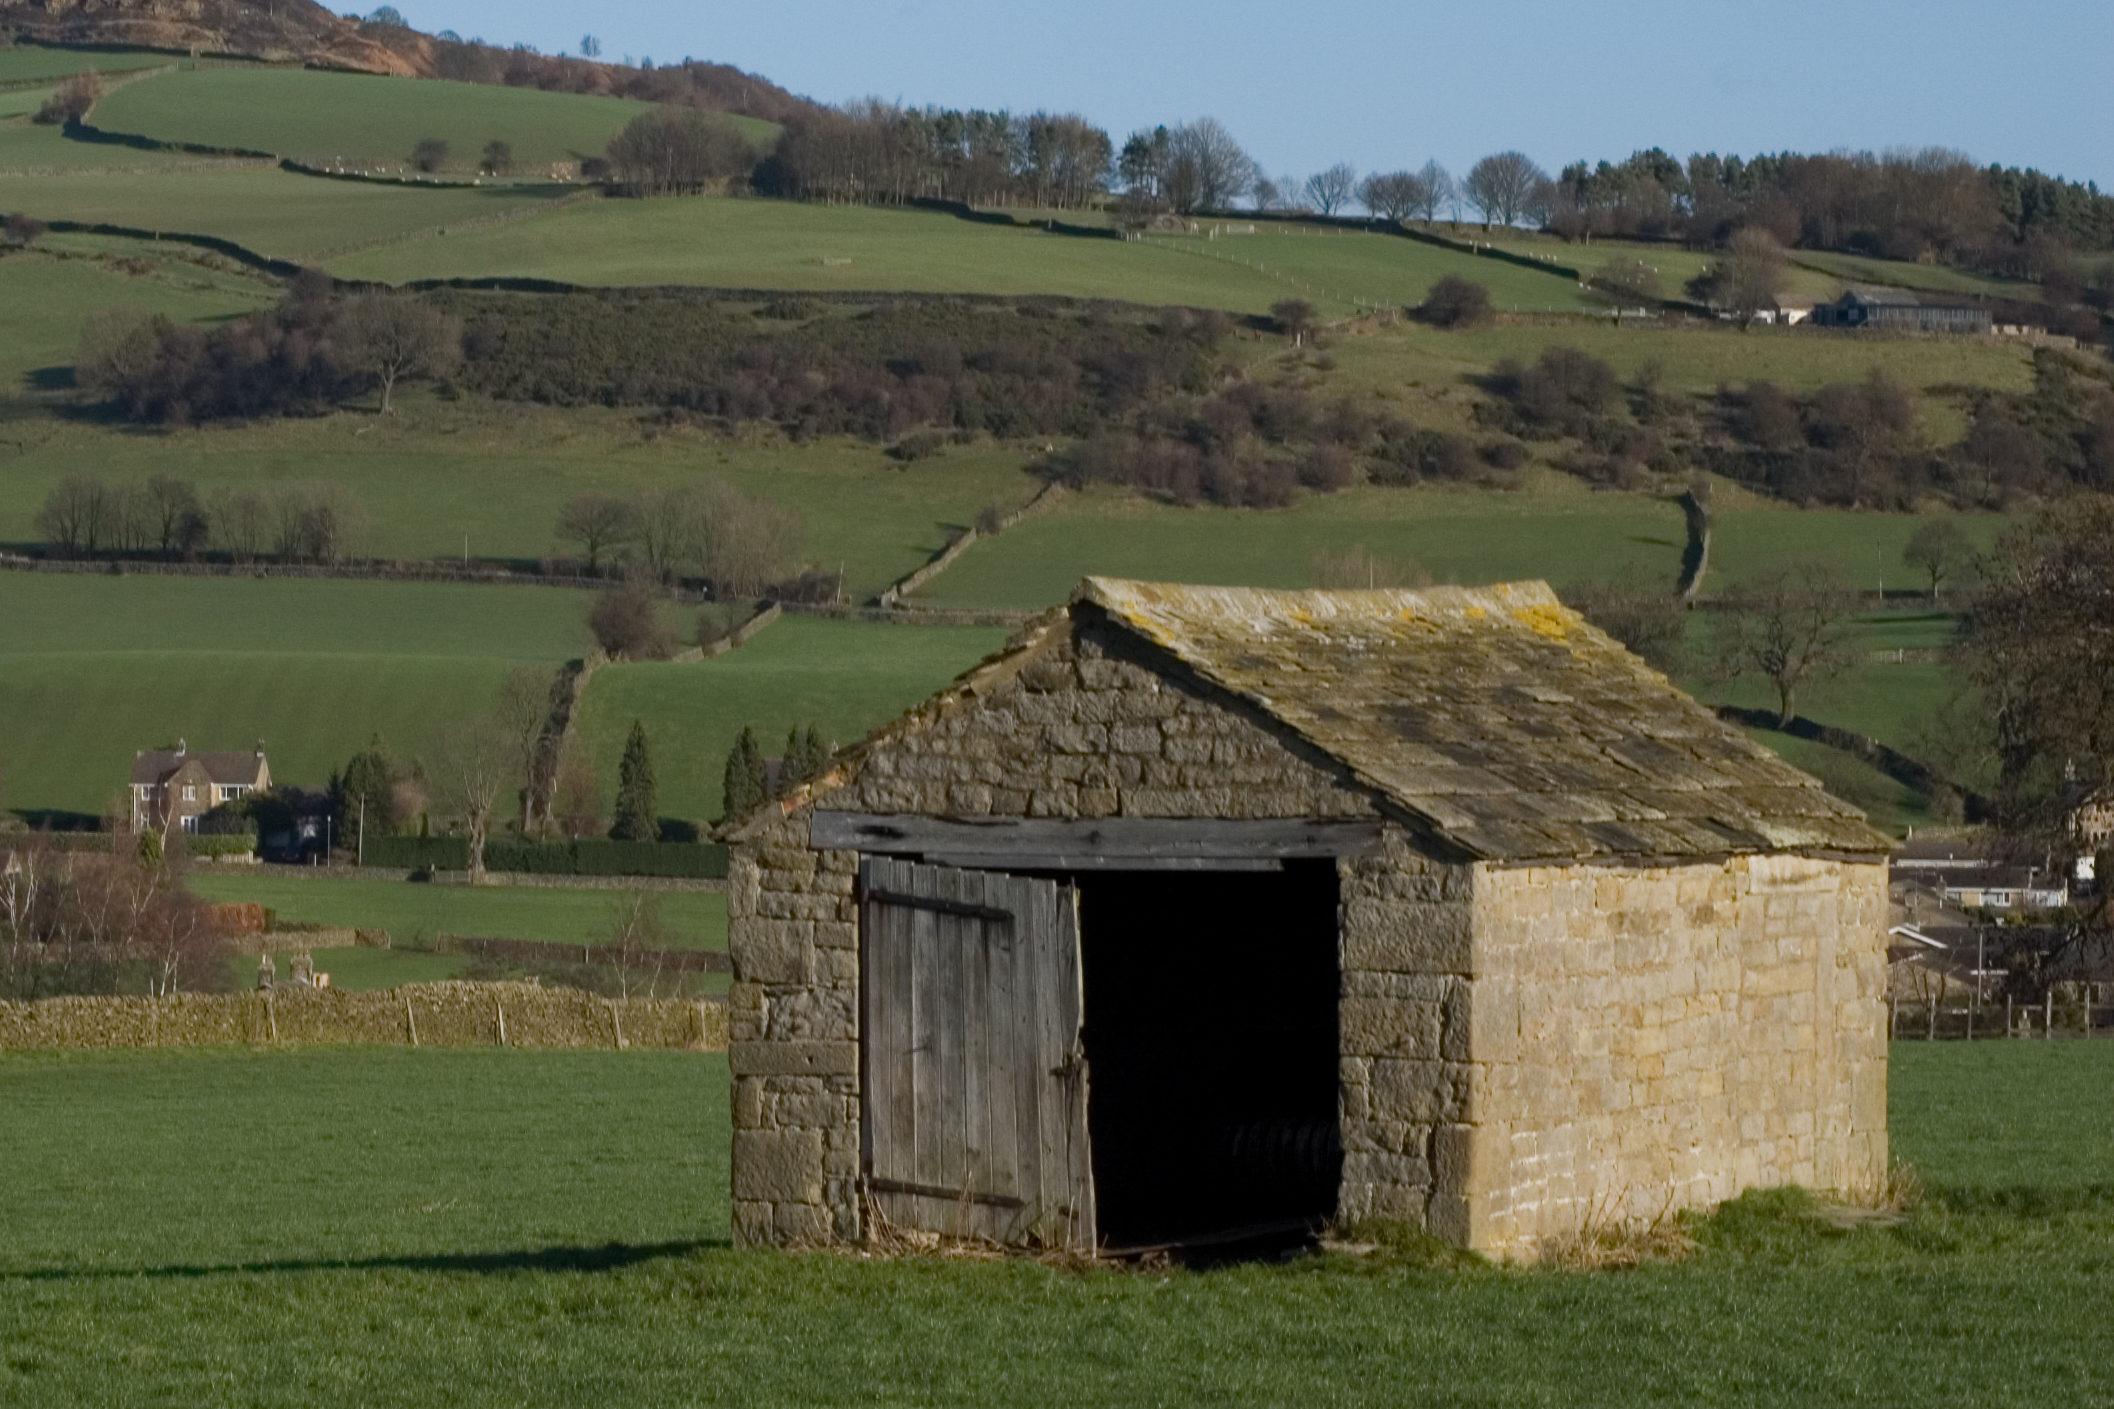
column 2048, row 1013
column 1933, row 1036
column 2010, row 1028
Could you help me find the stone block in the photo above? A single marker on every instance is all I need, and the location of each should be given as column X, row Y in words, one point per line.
column 1409, row 1090
column 782, row 1166
column 793, row 1058
column 772, row 951
column 1407, row 936
column 1372, row 1027
column 752, row 1223
column 801, row 1225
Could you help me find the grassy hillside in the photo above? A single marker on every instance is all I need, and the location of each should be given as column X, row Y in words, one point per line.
column 270, row 211
column 776, row 244
column 399, row 1228
column 94, row 668
column 47, row 292
column 1556, row 529
column 1675, row 264
column 847, row 677
column 1433, row 372
column 368, row 118
column 25, row 62
column 500, row 475
column 1334, row 268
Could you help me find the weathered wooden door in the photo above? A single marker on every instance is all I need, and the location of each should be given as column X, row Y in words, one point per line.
column 975, row 1076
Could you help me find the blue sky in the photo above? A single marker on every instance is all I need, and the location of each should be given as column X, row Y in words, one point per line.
column 1388, row 85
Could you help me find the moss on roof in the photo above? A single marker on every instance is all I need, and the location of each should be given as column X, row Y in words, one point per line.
column 1516, row 729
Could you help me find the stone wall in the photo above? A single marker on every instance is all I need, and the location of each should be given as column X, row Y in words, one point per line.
column 1658, row 1038
column 1076, row 725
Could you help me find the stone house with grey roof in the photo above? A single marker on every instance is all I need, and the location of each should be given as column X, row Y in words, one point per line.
column 1206, row 915
column 175, row 787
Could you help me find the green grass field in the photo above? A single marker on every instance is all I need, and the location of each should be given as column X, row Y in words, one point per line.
column 414, row 913
column 365, row 118
column 779, row 245
column 47, row 294
column 1337, row 269
column 24, row 62
column 846, row 677
column 270, row 211
column 1675, row 265
column 29, row 149
column 1557, row 529
column 500, row 475
column 464, row 1228
column 94, row 668
column 1934, row 278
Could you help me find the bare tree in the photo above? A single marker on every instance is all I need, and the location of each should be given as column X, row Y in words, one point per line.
column 598, row 523
column 1503, row 186
column 677, row 151
column 120, row 347
column 1267, row 194
column 1334, row 188
column 240, row 522
column 392, row 336
column 1395, row 195
column 1747, row 278
column 522, row 711
column 1792, row 628
column 430, row 154
column 1940, row 549
column 2040, row 653
column 498, row 158
column 474, row 764
column 76, row 514
column 1435, row 191
column 636, row 943
column 743, row 544
column 176, row 517
column 1206, row 168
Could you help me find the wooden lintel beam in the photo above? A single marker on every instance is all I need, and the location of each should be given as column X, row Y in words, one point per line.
column 1198, row 839
column 1029, row 861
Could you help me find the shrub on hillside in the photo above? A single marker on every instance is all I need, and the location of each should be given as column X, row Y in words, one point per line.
column 1455, row 302
column 626, row 624
column 1560, row 394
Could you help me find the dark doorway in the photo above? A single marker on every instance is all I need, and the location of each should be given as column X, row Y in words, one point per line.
column 1210, row 1032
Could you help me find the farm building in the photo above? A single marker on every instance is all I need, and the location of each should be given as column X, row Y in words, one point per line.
column 1201, row 912
column 1896, row 310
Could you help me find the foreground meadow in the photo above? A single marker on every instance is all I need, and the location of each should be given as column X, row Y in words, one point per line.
column 470, row 1228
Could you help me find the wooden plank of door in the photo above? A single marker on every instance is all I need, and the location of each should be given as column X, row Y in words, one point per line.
column 1070, row 998
column 960, row 935
column 1052, row 1053
column 892, row 1097
column 976, row 888
column 929, row 1070
column 1001, row 1134
column 1024, row 1032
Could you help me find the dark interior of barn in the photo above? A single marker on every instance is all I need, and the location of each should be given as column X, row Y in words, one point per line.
column 1211, row 1002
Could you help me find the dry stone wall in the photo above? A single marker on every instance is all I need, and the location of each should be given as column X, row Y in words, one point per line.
column 1078, row 726
column 428, row 1015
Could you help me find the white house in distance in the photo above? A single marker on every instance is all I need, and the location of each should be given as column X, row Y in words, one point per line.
column 181, row 786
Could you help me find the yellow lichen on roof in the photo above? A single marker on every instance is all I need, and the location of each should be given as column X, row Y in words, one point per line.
column 1498, row 714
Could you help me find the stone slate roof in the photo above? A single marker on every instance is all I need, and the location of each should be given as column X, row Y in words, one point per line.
column 241, row 767
column 1516, row 730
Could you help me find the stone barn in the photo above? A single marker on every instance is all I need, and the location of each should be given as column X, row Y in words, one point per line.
column 1205, row 914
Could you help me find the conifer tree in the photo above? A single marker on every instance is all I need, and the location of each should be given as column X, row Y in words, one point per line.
column 815, row 752
column 792, row 769
column 637, row 816
column 746, row 782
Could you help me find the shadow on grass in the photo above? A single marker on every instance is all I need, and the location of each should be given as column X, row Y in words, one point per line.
column 609, row 1257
